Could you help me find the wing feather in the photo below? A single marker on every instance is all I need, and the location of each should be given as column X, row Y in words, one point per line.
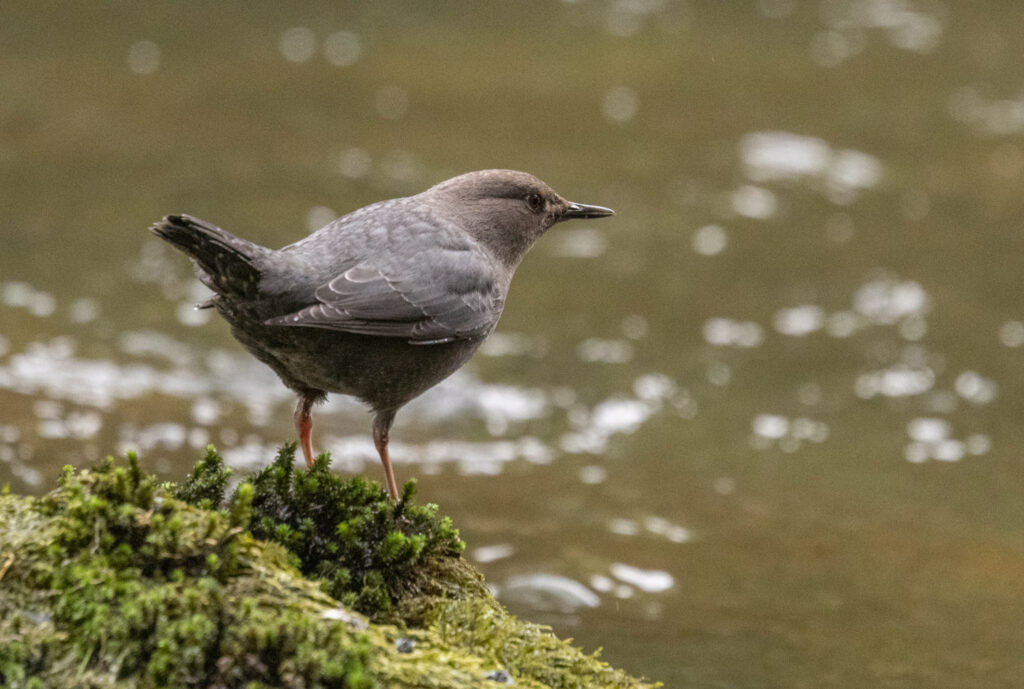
column 442, row 294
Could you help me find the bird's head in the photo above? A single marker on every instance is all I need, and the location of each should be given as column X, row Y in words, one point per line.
column 506, row 210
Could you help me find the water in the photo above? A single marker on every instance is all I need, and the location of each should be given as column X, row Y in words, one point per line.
column 761, row 429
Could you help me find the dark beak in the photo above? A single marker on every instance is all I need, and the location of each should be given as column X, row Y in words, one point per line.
column 582, row 210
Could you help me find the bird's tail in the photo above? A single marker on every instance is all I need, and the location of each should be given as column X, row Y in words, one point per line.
column 227, row 264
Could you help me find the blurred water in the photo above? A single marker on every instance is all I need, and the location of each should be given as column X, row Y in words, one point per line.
column 761, row 429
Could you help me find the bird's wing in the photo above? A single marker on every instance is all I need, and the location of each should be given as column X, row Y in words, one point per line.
column 441, row 294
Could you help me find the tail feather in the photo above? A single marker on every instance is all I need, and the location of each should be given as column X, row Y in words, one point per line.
column 227, row 264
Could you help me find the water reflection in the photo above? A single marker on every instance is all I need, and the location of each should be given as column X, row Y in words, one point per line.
column 298, row 44
column 932, row 438
column 907, row 25
column 620, row 104
column 583, row 242
column 726, row 332
column 23, row 296
column 754, row 202
column 557, row 593
column 798, row 321
column 550, row 592
column 778, row 156
column 889, row 300
column 599, row 350
column 646, row 580
column 775, row 430
column 710, row 240
column 1011, row 333
column 492, row 553
column 342, row 48
column 657, row 526
column 355, row 163
column 144, row 57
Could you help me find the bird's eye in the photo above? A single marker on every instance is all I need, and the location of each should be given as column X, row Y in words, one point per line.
column 535, row 202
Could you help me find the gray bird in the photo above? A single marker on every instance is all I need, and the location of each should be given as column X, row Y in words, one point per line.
column 383, row 303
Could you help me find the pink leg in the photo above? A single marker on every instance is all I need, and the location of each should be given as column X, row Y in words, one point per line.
column 304, row 425
column 381, row 428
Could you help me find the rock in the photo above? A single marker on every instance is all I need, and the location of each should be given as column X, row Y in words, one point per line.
column 297, row 580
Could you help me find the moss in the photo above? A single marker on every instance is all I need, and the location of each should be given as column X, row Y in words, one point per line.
column 205, row 487
column 367, row 551
column 133, row 583
column 115, row 581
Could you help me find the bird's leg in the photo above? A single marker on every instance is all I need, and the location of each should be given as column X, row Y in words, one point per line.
column 304, row 425
column 381, row 426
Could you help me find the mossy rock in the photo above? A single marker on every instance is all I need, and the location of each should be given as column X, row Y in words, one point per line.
column 299, row 579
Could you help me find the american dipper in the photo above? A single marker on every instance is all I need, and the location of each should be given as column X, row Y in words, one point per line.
column 382, row 303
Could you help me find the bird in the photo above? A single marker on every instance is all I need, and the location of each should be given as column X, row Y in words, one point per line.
column 380, row 304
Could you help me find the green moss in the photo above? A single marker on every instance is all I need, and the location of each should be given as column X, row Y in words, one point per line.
column 115, row 581
column 205, row 487
column 133, row 583
column 366, row 550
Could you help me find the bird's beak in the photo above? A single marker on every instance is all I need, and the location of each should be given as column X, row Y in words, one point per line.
column 582, row 210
